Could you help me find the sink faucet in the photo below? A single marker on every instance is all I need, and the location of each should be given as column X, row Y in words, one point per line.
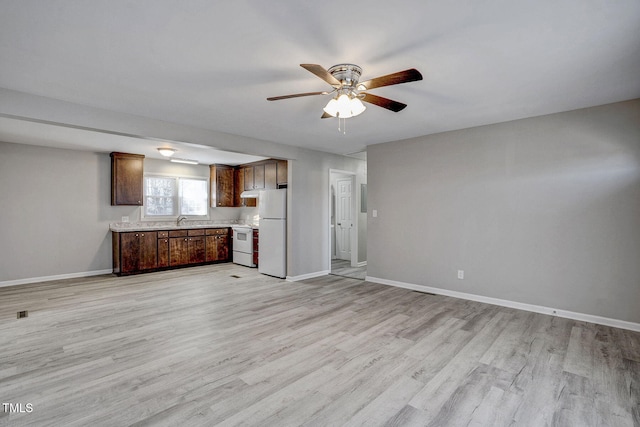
column 180, row 218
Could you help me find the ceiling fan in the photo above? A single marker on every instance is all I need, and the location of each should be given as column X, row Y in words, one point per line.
column 350, row 92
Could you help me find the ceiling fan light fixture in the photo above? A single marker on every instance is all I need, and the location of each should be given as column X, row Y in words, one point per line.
column 344, row 106
column 357, row 107
column 167, row 152
column 331, row 108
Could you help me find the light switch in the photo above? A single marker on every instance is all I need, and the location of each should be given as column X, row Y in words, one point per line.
column 374, row 213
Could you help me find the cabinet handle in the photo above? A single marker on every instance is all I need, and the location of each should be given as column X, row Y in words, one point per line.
column 142, row 234
column 137, row 235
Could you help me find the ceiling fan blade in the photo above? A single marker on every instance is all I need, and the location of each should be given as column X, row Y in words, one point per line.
column 321, row 72
column 296, row 95
column 326, row 115
column 389, row 104
column 405, row 76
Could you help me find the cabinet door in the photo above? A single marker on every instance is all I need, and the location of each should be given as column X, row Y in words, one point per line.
column 270, row 176
column 225, row 186
column 217, row 248
column 211, row 249
column 126, row 179
column 222, row 247
column 129, row 252
column 258, row 177
column 248, row 177
column 163, row 252
column 148, row 258
column 283, row 171
column 256, row 246
column 196, row 249
column 222, row 185
column 178, row 251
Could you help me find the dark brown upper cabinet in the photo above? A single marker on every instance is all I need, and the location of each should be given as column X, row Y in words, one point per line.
column 126, row 179
column 222, row 186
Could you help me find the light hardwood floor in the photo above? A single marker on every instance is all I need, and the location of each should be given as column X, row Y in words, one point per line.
column 225, row 345
column 340, row 267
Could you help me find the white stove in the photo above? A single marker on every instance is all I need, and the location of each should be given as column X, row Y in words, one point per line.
column 243, row 245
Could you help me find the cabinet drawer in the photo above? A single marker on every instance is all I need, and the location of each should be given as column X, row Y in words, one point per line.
column 212, row 231
column 163, row 234
column 178, row 233
column 198, row 232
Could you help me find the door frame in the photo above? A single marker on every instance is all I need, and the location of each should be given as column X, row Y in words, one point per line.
column 354, row 233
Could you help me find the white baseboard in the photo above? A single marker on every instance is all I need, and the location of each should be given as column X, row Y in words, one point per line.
column 56, row 277
column 307, row 276
column 606, row 321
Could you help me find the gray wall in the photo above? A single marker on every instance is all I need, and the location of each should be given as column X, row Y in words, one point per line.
column 55, row 212
column 308, row 226
column 542, row 211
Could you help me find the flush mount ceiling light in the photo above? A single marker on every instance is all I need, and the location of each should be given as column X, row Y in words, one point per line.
column 167, row 152
column 187, row 161
column 350, row 92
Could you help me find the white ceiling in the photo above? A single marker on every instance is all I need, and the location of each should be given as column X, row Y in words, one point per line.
column 211, row 64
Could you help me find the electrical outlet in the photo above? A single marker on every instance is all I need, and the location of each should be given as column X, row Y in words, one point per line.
column 460, row 274
column 125, row 219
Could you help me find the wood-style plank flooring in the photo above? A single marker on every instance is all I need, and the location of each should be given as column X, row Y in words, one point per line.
column 341, row 267
column 224, row 345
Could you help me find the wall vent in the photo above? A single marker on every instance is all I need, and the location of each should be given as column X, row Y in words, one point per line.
column 23, row 314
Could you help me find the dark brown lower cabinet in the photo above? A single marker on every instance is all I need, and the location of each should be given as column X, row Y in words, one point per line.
column 196, row 250
column 217, row 245
column 178, row 251
column 137, row 252
column 163, row 252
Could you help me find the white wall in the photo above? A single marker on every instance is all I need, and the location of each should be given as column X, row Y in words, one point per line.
column 543, row 211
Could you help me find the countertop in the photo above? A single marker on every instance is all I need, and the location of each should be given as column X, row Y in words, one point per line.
column 123, row 227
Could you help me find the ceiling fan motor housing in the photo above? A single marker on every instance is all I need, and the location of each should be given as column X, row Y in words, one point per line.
column 347, row 74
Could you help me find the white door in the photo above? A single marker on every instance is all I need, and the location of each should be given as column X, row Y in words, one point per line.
column 344, row 219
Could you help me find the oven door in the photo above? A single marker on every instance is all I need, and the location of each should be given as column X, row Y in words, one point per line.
column 243, row 240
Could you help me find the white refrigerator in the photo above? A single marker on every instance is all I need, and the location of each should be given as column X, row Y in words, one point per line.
column 272, row 238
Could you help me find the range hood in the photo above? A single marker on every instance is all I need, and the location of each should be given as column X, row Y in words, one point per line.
column 250, row 194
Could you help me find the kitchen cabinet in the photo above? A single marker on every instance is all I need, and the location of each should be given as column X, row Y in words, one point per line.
column 248, row 177
column 282, row 173
column 256, row 248
column 222, row 186
column 196, row 246
column 138, row 251
column 217, row 244
column 239, row 188
column 271, row 175
column 163, row 249
column 126, row 179
column 178, row 248
column 258, row 177
column 266, row 174
column 142, row 251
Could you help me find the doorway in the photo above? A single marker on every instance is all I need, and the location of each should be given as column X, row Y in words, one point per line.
column 345, row 225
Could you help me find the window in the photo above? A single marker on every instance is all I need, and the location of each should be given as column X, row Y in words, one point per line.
column 168, row 197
